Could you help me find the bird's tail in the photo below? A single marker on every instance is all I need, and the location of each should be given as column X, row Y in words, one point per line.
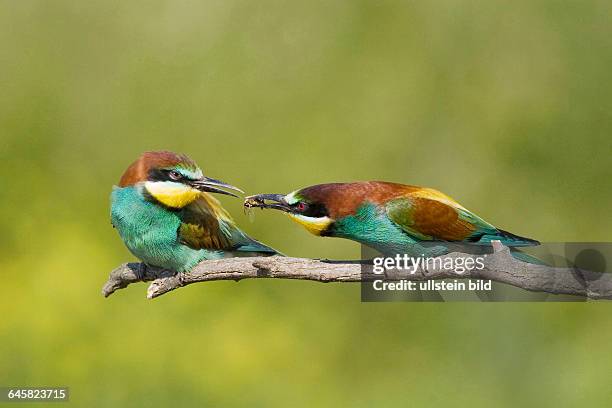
column 252, row 247
column 508, row 239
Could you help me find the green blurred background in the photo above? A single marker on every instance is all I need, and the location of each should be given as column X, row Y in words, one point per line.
column 506, row 106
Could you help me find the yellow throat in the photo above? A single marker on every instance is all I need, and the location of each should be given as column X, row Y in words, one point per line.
column 174, row 195
column 314, row 225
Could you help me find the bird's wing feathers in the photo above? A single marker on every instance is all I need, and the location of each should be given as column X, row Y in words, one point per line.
column 427, row 214
column 205, row 225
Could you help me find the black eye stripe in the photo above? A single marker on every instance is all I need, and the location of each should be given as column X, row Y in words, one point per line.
column 164, row 175
column 315, row 210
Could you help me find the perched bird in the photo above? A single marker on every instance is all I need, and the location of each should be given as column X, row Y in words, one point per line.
column 167, row 218
column 391, row 218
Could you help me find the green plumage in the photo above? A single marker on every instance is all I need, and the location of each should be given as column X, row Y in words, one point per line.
column 374, row 228
column 159, row 236
column 389, row 217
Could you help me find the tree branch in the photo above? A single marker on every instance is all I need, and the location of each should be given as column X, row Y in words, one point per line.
column 500, row 266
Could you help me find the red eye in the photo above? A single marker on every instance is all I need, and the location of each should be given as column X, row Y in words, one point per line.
column 301, row 207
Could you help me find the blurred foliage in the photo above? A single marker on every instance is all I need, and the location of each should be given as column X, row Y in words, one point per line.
column 505, row 106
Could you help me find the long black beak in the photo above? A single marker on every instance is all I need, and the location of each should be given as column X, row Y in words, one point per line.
column 214, row 186
column 276, row 201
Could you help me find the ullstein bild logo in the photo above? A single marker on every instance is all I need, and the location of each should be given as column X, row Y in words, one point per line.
column 549, row 272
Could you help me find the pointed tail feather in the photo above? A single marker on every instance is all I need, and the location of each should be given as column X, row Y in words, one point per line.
column 257, row 248
column 508, row 239
column 518, row 239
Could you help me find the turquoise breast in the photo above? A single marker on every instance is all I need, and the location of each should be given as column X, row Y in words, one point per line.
column 371, row 226
column 150, row 232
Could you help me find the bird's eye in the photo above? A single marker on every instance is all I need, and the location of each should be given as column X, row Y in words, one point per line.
column 174, row 175
column 301, row 206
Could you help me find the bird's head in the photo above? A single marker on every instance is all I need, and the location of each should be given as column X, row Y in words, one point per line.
column 171, row 179
column 316, row 208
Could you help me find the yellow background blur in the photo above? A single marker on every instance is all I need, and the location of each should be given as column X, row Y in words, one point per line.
column 505, row 106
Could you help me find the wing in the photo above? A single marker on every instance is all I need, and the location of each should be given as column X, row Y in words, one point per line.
column 428, row 214
column 205, row 225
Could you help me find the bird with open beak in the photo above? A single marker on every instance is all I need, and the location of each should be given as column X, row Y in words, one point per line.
column 166, row 216
column 389, row 217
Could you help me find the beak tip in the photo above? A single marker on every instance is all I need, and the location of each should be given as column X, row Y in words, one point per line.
column 210, row 185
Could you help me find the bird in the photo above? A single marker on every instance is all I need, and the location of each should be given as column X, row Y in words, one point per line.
column 166, row 216
column 391, row 218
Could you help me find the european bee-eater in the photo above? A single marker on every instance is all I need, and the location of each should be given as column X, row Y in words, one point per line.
column 167, row 218
column 391, row 218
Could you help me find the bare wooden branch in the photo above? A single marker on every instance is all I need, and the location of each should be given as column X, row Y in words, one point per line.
column 499, row 266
